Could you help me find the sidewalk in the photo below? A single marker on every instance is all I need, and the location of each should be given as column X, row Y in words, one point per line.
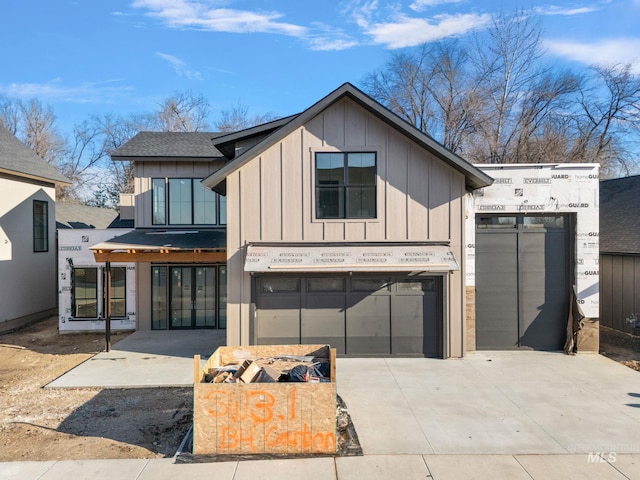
column 370, row 467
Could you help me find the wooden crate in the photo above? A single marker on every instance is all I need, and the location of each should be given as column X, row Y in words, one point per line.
column 255, row 418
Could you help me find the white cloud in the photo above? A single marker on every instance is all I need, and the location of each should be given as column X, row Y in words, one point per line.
column 87, row 92
column 421, row 5
column 321, row 43
column 603, row 52
column 407, row 31
column 557, row 10
column 205, row 16
column 179, row 66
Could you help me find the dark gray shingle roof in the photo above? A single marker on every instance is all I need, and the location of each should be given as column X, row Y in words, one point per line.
column 620, row 215
column 172, row 239
column 83, row 216
column 168, row 145
column 18, row 159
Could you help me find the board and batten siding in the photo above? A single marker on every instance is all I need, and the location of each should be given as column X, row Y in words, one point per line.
column 148, row 170
column 619, row 290
column 271, row 199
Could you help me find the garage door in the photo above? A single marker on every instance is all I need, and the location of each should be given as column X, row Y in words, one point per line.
column 358, row 315
column 522, row 281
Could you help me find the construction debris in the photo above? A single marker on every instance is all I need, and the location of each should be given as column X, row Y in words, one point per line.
column 282, row 368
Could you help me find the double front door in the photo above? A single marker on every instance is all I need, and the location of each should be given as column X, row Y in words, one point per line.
column 196, row 294
column 193, row 297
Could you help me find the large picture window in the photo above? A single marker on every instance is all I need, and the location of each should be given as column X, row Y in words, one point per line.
column 40, row 226
column 185, row 201
column 345, row 185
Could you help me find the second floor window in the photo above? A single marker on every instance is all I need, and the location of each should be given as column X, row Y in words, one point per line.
column 185, row 201
column 345, row 185
column 40, row 226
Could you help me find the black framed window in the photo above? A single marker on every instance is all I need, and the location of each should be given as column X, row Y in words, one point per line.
column 159, row 201
column 40, row 226
column 346, row 185
column 185, row 201
column 118, row 292
column 85, row 292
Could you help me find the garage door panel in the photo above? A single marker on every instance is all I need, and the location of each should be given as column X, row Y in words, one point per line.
column 368, row 325
column 414, row 329
column 496, row 290
column 278, row 320
column 545, row 290
column 522, row 293
column 323, row 321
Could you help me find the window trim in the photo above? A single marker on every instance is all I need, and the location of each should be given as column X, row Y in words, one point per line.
column 377, row 151
column 40, row 229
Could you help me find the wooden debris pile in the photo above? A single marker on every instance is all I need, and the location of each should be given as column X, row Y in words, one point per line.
column 281, row 368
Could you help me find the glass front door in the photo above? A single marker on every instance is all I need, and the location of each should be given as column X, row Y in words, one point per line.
column 193, row 297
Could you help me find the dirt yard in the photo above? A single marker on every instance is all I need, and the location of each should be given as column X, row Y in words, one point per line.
column 51, row 424
column 621, row 347
column 39, row 423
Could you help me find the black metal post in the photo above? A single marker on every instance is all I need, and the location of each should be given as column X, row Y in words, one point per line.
column 107, row 307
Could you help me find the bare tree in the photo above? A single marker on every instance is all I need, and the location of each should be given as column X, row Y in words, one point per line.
column 402, row 86
column 506, row 58
column 238, row 118
column 541, row 119
column 9, row 114
column 39, row 131
column 431, row 88
column 608, row 118
column 181, row 112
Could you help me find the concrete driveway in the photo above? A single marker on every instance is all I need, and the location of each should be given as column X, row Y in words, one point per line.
column 493, row 403
column 487, row 403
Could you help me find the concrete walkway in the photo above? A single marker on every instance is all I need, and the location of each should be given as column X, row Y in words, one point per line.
column 369, row 467
column 145, row 359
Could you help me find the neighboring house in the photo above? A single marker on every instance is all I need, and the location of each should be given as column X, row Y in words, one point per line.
column 71, row 216
column 342, row 225
column 27, row 234
column 620, row 253
column 81, row 280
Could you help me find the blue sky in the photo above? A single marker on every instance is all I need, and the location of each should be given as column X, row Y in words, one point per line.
column 87, row 57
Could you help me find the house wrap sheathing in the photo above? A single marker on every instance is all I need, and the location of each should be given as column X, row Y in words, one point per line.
column 85, row 311
column 533, row 231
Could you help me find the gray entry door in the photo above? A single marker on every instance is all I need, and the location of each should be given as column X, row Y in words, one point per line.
column 522, row 281
column 358, row 315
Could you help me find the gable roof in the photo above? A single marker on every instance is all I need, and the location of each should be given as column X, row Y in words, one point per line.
column 18, row 159
column 159, row 145
column 82, row 216
column 620, row 215
column 475, row 178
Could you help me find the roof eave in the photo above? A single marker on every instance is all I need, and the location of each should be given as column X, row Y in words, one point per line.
column 164, row 158
column 61, row 181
